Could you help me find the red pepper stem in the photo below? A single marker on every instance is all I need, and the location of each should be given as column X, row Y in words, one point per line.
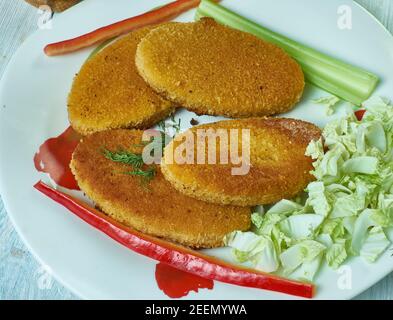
column 175, row 255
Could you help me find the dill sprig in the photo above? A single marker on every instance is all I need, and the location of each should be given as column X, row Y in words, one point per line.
column 164, row 126
column 147, row 175
column 125, row 157
column 144, row 143
column 135, row 161
column 175, row 125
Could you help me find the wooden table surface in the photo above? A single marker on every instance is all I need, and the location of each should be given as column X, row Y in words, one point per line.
column 20, row 274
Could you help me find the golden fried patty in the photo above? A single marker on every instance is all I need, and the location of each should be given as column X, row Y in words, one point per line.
column 108, row 92
column 155, row 208
column 278, row 168
column 212, row 69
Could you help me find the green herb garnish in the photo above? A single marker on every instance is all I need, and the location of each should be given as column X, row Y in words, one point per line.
column 164, row 126
column 175, row 125
column 135, row 161
column 125, row 157
column 147, row 175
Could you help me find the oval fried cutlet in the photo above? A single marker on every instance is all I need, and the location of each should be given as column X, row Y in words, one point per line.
column 278, row 168
column 108, row 92
column 212, row 69
column 155, row 208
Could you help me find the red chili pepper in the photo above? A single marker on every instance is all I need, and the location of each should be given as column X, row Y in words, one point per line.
column 175, row 255
column 165, row 13
column 360, row 114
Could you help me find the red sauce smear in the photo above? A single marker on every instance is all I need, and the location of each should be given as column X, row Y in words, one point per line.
column 176, row 283
column 54, row 157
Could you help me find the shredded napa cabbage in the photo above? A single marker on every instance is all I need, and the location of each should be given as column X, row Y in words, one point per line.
column 347, row 208
column 330, row 102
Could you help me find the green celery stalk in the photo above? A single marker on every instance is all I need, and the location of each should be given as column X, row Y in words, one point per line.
column 345, row 81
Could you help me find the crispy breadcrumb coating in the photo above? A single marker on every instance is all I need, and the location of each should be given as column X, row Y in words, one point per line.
column 279, row 168
column 212, row 69
column 108, row 93
column 156, row 208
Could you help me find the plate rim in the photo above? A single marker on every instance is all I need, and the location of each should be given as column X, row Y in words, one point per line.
column 21, row 234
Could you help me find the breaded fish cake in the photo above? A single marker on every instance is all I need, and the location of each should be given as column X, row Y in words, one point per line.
column 108, row 92
column 155, row 208
column 212, row 69
column 277, row 167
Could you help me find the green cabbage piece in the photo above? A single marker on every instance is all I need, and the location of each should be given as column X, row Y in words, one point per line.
column 329, row 102
column 374, row 245
column 303, row 252
column 258, row 249
column 336, row 254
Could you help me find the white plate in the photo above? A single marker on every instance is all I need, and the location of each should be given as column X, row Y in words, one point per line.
column 33, row 95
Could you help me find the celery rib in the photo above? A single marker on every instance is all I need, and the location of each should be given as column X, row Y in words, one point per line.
column 344, row 80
